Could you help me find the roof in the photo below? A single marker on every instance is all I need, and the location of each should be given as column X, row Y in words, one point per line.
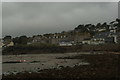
column 104, row 34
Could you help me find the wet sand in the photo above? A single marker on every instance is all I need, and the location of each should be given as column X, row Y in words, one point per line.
column 35, row 62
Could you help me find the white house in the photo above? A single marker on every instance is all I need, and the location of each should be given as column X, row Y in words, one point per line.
column 86, row 41
column 66, row 43
column 97, row 41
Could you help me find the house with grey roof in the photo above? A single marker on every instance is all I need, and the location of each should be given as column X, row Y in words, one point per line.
column 106, row 37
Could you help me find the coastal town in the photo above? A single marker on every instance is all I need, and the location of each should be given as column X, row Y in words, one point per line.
column 60, row 40
column 82, row 34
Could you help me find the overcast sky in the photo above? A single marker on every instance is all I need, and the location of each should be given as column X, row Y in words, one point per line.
column 32, row 18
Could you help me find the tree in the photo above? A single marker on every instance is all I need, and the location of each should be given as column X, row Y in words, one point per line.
column 20, row 40
column 7, row 39
column 81, row 28
column 16, row 40
column 29, row 39
column 47, row 35
column 104, row 25
column 118, row 20
column 23, row 39
column 98, row 25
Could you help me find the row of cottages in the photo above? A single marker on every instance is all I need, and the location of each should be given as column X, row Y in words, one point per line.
column 94, row 41
column 39, row 39
column 49, row 38
column 101, row 38
column 68, row 39
column 61, row 39
column 112, row 36
column 58, row 37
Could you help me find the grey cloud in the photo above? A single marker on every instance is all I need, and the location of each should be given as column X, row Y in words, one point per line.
column 31, row 18
column 0, row 19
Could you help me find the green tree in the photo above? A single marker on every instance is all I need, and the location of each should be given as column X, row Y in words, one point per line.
column 16, row 40
column 98, row 25
column 81, row 28
column 7, row 39
column 118, row 20
column 23, row 39
column 20, row 40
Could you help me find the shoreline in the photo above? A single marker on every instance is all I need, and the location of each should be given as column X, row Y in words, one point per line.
column 30, row 52
column 34, row 61
column 101, row 66
column 27, row 49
